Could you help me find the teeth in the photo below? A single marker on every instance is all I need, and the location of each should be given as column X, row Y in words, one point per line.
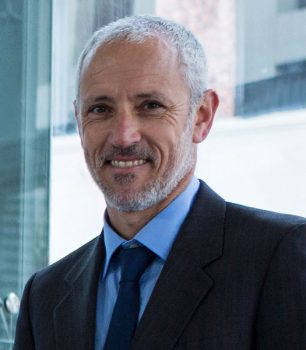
column 128, row 163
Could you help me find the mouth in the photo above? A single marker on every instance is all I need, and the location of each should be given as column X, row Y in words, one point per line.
column 128, row 158
column 127, row 163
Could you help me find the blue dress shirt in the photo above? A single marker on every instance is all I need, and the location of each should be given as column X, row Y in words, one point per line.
column 157, row 235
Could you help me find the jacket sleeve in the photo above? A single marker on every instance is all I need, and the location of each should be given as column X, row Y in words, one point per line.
column 281, row 319
column 24, row 337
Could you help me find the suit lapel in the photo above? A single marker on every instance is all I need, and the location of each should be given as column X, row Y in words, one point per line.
column 75, row 315
column 182, row 286
column 183, row 283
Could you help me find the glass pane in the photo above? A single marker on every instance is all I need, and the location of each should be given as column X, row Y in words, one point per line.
column 271, row 57
column 24, row 151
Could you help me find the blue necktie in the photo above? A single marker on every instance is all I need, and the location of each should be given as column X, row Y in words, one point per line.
column 124, row 319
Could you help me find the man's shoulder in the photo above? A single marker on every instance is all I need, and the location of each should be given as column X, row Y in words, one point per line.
column 68, row 265
column 263, row 230
column 249, row 216
column 244, row 222
column 208, row 200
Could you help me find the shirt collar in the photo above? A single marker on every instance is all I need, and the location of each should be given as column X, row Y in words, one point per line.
column 159, row 233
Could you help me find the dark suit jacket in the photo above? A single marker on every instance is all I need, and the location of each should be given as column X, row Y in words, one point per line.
column 235, row 279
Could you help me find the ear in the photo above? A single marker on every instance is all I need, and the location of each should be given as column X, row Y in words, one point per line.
column 77, row 116
column 205, row 115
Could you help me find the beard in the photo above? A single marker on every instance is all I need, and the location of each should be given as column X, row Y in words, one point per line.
column 181, row 162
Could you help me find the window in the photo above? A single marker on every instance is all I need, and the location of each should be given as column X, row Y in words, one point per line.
column 25, row 65
column 271, row 74
column 285, row 91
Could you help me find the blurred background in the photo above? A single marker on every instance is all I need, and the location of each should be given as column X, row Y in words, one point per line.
column 255, row 154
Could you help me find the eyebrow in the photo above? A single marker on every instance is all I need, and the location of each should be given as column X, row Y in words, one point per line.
column 101, row 98
column 153, row 94
column 106, row 98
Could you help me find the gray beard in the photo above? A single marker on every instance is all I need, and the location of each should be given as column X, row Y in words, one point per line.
column 147, row 197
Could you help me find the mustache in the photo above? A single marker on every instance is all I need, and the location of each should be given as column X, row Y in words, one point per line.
column 138, row 151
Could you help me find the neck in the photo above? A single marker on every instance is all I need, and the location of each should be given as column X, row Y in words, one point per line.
column 127, row 224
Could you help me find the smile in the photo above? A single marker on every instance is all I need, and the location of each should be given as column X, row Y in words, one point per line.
column 127, row 164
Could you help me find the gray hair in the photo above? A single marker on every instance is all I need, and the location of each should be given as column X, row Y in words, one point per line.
column 137, row 29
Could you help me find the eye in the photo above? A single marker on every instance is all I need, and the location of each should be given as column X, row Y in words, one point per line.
column 100, row 110
column 152, row 108
column 152, row 105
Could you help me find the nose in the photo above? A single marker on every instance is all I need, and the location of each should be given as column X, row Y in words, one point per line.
column 125, row 130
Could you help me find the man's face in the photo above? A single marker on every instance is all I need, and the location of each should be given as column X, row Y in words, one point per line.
column 132, row 117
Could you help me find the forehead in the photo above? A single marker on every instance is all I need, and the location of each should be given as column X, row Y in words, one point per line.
column 148, row 62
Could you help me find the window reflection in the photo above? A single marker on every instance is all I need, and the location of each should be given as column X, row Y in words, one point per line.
column 24, row 151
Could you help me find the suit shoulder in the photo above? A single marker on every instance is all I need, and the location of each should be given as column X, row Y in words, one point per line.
column 261, row 230
column 73, row 261
column 259, row 218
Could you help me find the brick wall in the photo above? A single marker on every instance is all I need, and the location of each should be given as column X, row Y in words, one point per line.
column 213, row 22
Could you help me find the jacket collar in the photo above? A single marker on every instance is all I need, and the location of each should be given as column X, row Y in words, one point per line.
column 184, row 283
column 75, row 315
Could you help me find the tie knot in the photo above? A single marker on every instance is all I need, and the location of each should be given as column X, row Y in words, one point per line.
column 134, row 261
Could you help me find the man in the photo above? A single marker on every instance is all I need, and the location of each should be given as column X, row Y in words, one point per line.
column 218, row 275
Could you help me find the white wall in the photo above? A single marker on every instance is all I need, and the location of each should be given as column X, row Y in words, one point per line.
column 76, row 204
column 259, row 162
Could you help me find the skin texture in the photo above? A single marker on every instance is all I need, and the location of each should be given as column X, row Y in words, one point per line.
column 134, row 105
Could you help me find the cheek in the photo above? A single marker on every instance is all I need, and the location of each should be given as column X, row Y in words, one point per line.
column 93, row 138
column 166, row 148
